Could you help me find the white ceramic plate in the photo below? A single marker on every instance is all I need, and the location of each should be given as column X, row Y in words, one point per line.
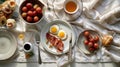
column 81, row 39
column 66, row 27
column 8, row 45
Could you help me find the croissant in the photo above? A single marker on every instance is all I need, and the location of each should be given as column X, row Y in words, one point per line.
column 107, row 40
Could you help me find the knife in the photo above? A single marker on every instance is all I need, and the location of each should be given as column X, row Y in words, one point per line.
column 37, row 39
column 70, row 49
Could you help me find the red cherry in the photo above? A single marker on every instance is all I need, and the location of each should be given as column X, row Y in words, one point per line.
column 29, row 19
column 86, row 42
column 24, row 9
column 91, row 49
column 30, row 13
column 36, row 18
column 90, row 44
column 96, row 38
column 86, row 33
column 29, row 5
column 96, row 46
column 39, row 10
column 92, row 40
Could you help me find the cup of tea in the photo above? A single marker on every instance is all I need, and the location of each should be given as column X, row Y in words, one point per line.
column 28, row 47
column 71, row 6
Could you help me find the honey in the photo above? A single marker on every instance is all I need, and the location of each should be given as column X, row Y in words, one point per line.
column 71, row 6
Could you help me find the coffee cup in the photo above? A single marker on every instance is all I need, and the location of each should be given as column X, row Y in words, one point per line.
column 28, row 47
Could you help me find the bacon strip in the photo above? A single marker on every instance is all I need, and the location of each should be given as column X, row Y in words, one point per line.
column 56, row 42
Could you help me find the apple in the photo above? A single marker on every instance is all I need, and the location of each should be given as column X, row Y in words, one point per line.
column 30, row 13
column 29, row 19
column 34, row 13
column 24, row 9
column 24, row 14
column 39, row 10
column 36, row 18
column 29, row 5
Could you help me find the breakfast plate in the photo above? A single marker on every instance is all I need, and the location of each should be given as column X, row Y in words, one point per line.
column 8, row 44
column 84, row 42
column 48, row 32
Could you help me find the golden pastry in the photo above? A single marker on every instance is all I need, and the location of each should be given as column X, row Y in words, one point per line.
column 2, row 20
column 107, row 40
column 6, row 9
column 12, row 5
column 11, row 23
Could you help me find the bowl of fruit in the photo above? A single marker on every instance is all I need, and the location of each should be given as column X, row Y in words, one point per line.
column 89, row 41
column 31, row 11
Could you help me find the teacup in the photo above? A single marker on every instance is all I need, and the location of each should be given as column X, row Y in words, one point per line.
column 28, row 47
column 72, row 9
column 71, row 6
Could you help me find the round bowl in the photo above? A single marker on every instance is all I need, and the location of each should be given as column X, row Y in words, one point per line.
column 33, row 2
column 84, row 47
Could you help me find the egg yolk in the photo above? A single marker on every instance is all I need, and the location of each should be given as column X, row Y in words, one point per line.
column 53, row 29
column 61, row 34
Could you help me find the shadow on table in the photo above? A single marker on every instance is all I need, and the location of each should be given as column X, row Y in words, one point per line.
column 8, row 65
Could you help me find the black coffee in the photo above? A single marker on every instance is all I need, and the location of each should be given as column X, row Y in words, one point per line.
column 27, row 46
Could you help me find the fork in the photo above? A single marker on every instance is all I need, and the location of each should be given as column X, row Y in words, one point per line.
column 70, row 49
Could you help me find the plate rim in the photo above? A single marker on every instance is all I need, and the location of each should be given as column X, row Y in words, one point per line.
column 14, row 46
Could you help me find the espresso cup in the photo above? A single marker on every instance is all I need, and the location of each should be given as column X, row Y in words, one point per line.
column 28, row 47
column 71, row 6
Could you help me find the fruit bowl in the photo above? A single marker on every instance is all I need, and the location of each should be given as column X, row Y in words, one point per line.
column 31, row 11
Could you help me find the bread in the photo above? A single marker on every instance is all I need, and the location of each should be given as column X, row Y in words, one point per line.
column 107, row 40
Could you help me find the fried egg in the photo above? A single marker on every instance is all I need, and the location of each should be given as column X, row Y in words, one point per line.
column 62, row 34
column 54, row 29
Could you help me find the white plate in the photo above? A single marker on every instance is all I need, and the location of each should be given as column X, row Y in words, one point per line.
column 8, row 45
column 81, row 39
column 66, row 27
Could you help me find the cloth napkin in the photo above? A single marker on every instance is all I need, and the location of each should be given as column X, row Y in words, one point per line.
column 106, row 14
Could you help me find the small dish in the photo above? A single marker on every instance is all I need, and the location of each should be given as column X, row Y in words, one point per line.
column 81, row 45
